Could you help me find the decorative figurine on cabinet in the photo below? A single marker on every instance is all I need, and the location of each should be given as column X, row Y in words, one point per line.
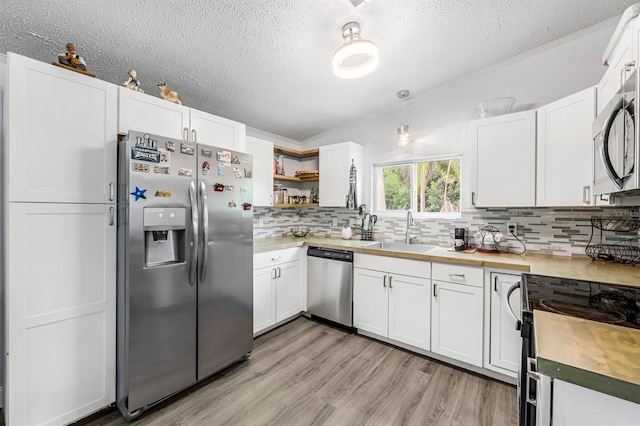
column 169, row 95
column 132, row 81
column 72, row 61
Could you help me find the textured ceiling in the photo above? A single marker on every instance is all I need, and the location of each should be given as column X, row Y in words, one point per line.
column 267, row 62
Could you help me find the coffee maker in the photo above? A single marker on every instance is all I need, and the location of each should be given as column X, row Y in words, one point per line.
column 461, row 241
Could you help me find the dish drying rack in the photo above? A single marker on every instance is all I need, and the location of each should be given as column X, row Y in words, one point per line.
column 622, row 252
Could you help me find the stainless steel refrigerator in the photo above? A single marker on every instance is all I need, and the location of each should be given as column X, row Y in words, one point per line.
column 185, row 261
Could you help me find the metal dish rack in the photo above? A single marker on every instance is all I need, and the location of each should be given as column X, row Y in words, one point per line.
column 626, row 251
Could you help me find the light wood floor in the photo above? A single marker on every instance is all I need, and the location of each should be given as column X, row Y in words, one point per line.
column 307, row 373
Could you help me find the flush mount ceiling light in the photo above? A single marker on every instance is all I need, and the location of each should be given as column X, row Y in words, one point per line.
column 404, row 137
column 356, row 57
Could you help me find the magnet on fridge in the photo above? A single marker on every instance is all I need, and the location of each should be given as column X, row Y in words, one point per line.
column 220, row 169
column 247, row 173
column 205, row 168
column 139, row 167
column 237, row 173
column 218, row 187
column 243, row 190
column 186, row 149
column 163, row 193
column 229, row 188
column 246, row 206
column 170, row 145
column 232, row 204
column 206, row 153
column 185, row 172
column 139, row 193
column 165, row 157
column 161, row 170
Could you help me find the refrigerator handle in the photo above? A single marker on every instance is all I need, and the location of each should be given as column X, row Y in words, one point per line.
column 205, row 232
column 193, row 271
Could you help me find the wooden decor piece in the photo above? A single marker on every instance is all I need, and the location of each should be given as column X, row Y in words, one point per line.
column 67, row 67
column 72, row 61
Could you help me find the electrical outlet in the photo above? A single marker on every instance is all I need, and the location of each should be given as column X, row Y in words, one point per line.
column 512, row 228
column 334, row 222
column 260, row 222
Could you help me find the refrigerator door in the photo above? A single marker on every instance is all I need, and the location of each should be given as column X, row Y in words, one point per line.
column 225, row 277
column 157, row 252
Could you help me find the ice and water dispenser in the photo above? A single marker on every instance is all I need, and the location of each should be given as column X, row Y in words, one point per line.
column 164, row 235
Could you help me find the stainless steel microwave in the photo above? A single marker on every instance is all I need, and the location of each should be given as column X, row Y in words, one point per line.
column 615, row 143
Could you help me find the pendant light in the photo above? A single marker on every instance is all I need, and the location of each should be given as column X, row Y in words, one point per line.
column 356, row 57
column 404, row 137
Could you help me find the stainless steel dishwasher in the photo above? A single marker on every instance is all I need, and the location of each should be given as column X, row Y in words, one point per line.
column 330, row 284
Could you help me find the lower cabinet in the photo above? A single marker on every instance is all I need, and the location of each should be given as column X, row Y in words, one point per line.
column 277, row 288
column 390, row 304
column 457, row 313
column 504, row 340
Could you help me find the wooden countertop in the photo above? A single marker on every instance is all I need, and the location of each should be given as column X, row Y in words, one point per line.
column 598, row 356
column 557, row 266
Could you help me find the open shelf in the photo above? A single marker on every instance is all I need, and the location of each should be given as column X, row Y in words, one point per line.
column 296, row 205
column 284, row 178
column 295, row 153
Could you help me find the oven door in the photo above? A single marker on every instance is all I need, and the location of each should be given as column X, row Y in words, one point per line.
column 615, row 142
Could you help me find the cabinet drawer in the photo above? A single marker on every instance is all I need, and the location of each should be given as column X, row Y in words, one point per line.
column 457, row 274
column 275, row 257
column 393, row 265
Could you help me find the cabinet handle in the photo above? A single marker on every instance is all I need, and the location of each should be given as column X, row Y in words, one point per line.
column 275, row 259
column 274, row 273
column 112, row 191
column 185, row 133
column 473, row 198
column 456, row 275
column 384, row 281
column 111, row 216
column 279, row 272
column 586, row 194
column 271, row 199
column 435, row 289
column 390, row 278
column 495, row 283
column 194, row 135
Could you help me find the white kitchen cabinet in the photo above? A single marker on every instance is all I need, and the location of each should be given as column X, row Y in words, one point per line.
column 564, row 153
column 146, row 113
column 504, row 339
column 622, row 60
column 277, row 287
column 60, row 292
column 605, row 90
column 60, row 135
column 503, row 160
column 262, row 152
column 335, row 164
column 391, row 303
column 457, row 313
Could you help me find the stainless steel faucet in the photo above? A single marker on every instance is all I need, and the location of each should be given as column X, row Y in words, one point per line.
column 407, row 233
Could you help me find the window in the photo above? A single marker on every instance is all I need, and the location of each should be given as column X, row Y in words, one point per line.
column 430, row 186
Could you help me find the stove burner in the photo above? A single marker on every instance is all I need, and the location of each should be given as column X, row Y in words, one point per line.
column 586, row 312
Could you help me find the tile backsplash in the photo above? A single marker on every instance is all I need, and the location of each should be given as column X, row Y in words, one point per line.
column 561, row 231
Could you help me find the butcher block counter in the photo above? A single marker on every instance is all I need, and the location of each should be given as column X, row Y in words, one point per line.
column 595, row 355
column 581, row 268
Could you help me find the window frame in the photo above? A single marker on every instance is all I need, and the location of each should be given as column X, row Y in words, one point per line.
column 414, row 188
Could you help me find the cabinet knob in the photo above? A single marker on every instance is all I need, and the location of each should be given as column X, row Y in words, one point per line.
column 435, row 289
column 384, row 281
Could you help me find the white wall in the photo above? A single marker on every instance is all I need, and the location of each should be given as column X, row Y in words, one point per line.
column 439, row 119
column 3, row 76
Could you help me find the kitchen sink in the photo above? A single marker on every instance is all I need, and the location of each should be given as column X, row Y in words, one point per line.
column 401, row 247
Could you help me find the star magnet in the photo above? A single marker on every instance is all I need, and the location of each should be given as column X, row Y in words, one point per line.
column 139, row 193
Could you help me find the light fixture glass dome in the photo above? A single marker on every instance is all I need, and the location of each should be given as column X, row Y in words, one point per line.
column 356, row 57
column 404, row 137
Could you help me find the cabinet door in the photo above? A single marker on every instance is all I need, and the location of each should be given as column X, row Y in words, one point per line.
column 60, row 300
column 334, row 167
column 457, row 322
column 217, row 131
column 288, row 290
column 621, row 60
column 503, row 159
column 150, row 114
column 505, row 342
column 410, row 310
column 605, row 90
column 370, row 301
column 61, row 134
column 264, row 299
column 262, row 152
column 565, row 154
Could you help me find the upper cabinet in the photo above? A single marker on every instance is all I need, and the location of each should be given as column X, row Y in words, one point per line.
column 262, row 152
column 138, row 111
column 503, row 160
column 77, row 117
column 335, row 165
column 564, row 151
